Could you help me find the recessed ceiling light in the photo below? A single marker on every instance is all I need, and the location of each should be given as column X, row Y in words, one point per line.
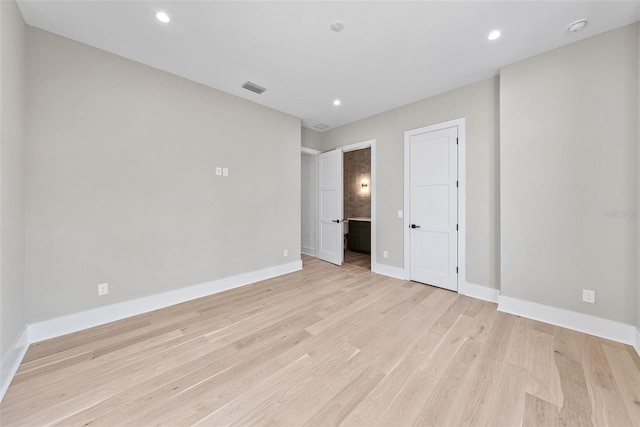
column 163, row 17
column 336, row 102
column 579, row 25
column 337, row 26
column 494, row 35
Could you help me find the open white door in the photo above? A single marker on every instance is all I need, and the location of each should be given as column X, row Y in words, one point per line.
column 330, row 239
column 434, row 207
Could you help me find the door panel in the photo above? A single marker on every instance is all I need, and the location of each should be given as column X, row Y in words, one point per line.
column 433, row 213
column 330, row 236
column 433, row 245
column 433, row 206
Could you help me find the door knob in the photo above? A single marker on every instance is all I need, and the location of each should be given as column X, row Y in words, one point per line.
column 336, row 220
column 415, row 226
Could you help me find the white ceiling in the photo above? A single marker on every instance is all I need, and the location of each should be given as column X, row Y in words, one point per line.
column 389, row 54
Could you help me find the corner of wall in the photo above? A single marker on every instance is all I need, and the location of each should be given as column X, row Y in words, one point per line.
column 12, row 359
column 14, row 340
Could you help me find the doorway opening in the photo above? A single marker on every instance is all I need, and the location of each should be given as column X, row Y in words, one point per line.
column 324, row 229
column 357, row 207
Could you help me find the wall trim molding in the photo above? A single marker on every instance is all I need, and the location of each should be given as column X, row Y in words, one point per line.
column 484, row 293
column 636, row 346
column 592, row 325
column 12, row 359
column 99, row 316
column 387, row 270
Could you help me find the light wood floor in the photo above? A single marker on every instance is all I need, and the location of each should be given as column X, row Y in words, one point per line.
column 357, row 258
column 327, row 346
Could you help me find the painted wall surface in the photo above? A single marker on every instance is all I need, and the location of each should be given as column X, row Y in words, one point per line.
column 121, row 182
column 356, row 168
column 311, row 139
column 12, row 147
column 569, row 137
column 478, row 103
column 308, row 204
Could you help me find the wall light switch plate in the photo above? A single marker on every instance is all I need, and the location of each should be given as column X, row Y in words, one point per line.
column 400, row 214
column 385, row 254
column 218, row 171
column 285, row 253
column 225, row 171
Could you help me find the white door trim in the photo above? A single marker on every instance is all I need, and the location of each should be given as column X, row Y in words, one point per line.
column 371, row 143
column 460, row 124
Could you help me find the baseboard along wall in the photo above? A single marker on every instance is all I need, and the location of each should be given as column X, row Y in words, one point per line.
column 63, row 325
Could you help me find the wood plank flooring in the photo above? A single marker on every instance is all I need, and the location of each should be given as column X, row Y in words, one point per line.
column 321, row 347
column 357, row 258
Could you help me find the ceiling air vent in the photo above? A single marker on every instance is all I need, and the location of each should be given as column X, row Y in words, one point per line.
column 321, row 126
column 253, row 87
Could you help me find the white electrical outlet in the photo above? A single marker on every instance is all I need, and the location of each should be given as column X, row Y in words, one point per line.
column 385, row 254
column 218, row 171
column 225, row 171
column 285, row 253
column 589, row 296
column 103, row 289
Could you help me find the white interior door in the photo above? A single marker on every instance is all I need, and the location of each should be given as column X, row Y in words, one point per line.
column 330, row 238
column 434, row 208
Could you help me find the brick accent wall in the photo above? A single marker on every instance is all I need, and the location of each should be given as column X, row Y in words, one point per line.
column 357, row 167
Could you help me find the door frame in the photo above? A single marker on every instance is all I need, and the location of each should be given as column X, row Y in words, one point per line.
column 373, row 188
column 462, row 224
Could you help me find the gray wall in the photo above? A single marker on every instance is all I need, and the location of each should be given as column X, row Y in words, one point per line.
column 311, row 139
column 12, row 142
column 308, row 204
column 569, row 137
column 121, row 183
column 638, row 197
column 478, row 103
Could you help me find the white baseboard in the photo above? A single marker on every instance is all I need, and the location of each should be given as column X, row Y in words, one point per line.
column 636, row 346
column 78, row 321
column 11, row 361
column 308, row 251
column 480, row 292
column 387, row 270
column 592, row 325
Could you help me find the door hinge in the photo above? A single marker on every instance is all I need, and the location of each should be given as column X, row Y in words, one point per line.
column 456, row 141
column 456, row 184
column 456, row 227
column 456, row 270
